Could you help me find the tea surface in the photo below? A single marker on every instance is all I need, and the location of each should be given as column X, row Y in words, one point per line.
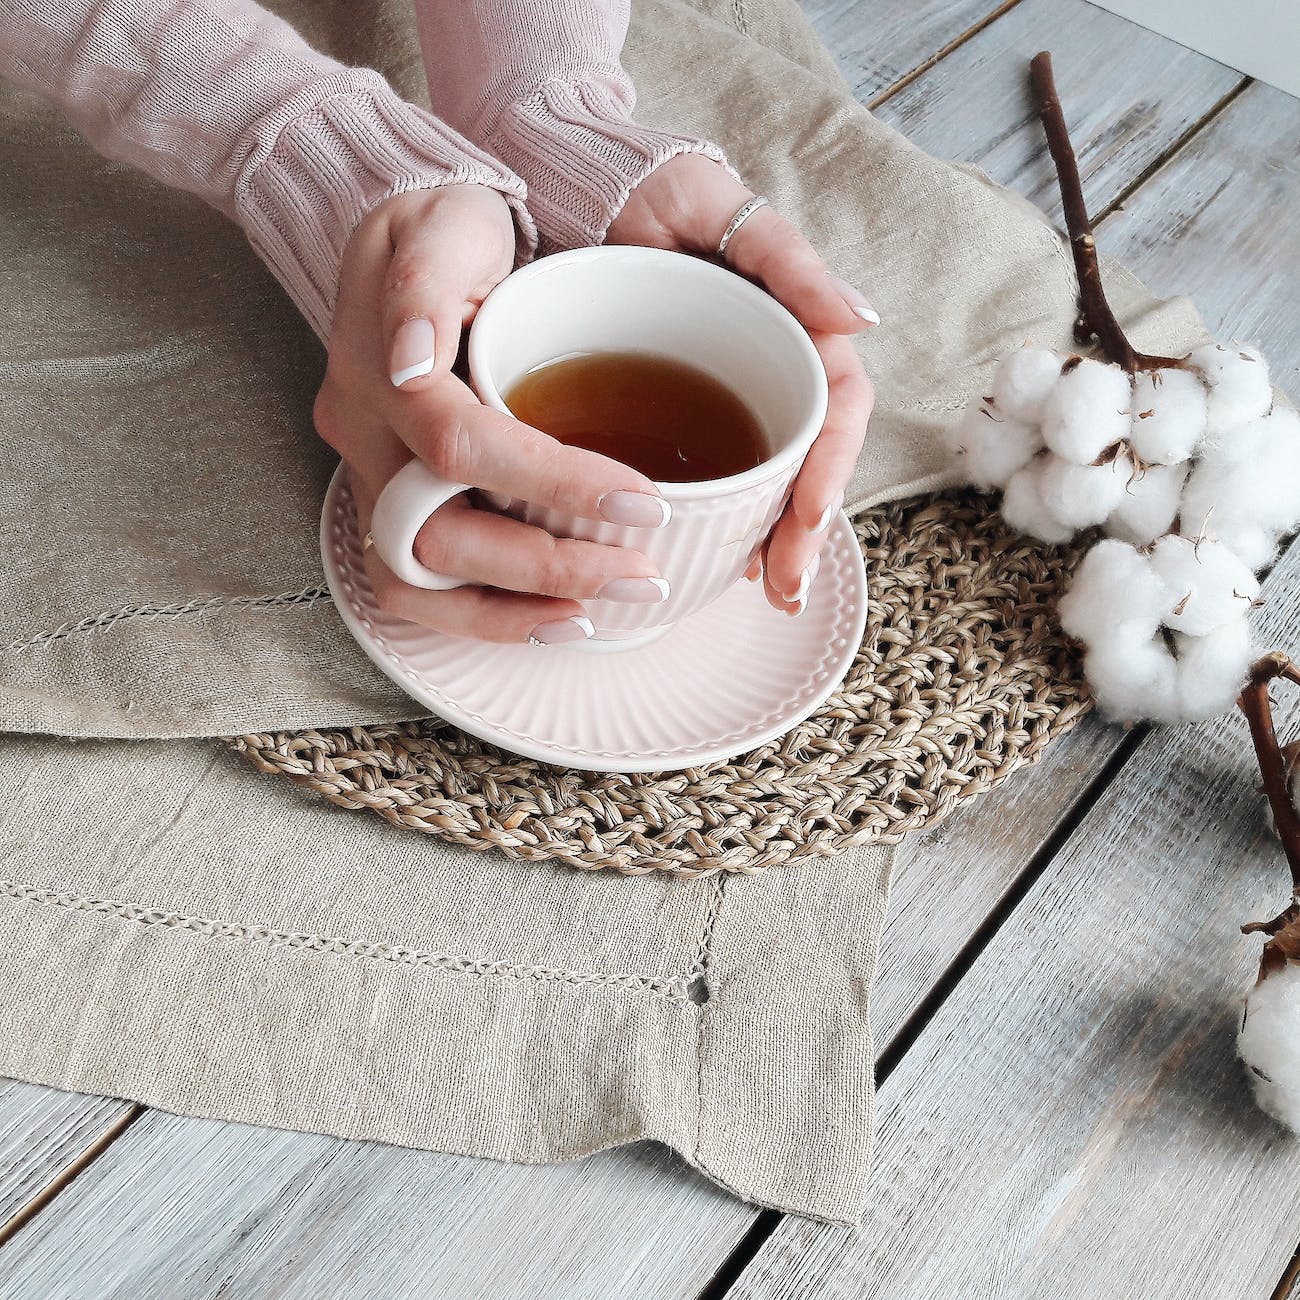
column 663, row 417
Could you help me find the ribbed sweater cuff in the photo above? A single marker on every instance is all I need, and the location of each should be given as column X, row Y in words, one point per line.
column 334, row 162
column 581, row 155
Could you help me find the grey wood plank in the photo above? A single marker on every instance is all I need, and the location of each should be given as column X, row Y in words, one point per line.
column 186, row 1208
column 878, row 44
column 984, row 861
column 1073, row 1120
column 1218, row 222
column 43, row 1133
column 949, row 878
column 1129, row 96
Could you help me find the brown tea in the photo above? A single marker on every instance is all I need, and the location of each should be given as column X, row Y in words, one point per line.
column 663, row 417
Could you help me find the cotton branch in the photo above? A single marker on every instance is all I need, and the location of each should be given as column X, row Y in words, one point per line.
column 1284, row 929
column 1095, row 316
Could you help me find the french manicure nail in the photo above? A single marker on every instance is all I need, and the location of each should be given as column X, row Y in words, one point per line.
column 635, row 591
column 634, row 509
column 800, row 597
column 797, row 596
column 562, row 631
column 827, row 515
column 412, row 354
column 856, row 302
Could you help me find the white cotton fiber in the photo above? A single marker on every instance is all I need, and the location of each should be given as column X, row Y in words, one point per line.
column 1210, row 495
column 1250, row 473
column 1083, row 495
column 1022, row 381
column 1133, row 680
column 991, row 447
column 1149, row 504
column 1212, row 669
column 1208, row 585
column 1254, row 546
column 1169, row 413
column 1240, row 390
column 1115, row 594
column 1087, row 411
column 1024, row 510
column 1269, row 1043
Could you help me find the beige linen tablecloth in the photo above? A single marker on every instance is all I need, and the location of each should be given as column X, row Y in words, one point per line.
column 179, row 930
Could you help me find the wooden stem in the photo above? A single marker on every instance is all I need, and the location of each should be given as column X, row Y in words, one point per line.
column 1095, row 316
column 1255, row 704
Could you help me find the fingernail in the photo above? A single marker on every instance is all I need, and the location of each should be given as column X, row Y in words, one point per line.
column 561, row 631
column 824, row 522
column 806, row 578
column 856, row 302
column 634, row 509
column 635, row 591
column 412, row 354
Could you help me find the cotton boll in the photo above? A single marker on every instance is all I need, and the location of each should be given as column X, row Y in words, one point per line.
column 1083, row 495
column 1114, row 594
column 1209, row 585
column 1240, row 390
column 1169, row 413
column 1246, row 488
column 1273, row 435
column 1087, row 411
column 1024, row 510
column 1212, row 669
column 1211, row 494
column 1253, row 472
column 1255, row 547
column 991, row 447
column 1208, row 511
column 1149, row 504
column 1022, row 381
column 1274, row 474
column 1133, row 679
column 1269, row 1043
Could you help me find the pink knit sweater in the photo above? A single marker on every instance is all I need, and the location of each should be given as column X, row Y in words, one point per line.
column 222, row 98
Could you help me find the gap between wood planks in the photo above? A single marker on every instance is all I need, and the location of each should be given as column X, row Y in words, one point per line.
column 767, row 1221
column 956, row 43
column 70, row 1172
column 1286, row 1288
column 1117, row 203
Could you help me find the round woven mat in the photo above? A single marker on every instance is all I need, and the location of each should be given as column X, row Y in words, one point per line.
column 963, row 676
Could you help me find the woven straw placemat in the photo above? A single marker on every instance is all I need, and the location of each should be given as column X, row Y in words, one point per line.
column 963, row 675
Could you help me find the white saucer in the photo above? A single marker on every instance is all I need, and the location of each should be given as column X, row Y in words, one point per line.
column 724, row 681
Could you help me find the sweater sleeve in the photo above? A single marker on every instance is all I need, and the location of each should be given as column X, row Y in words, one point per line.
column 541, row 87
column 221, row 98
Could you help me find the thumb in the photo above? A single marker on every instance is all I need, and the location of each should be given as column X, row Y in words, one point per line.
column 441, row 268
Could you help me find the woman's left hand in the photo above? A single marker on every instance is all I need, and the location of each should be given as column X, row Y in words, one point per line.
column 687, row 203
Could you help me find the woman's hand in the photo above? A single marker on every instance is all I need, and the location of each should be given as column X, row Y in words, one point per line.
column 686, row 203
column 414, row 273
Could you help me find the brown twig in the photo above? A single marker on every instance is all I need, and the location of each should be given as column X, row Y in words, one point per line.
column 1284, row 929
column 1095, row 316
column 1255, row 704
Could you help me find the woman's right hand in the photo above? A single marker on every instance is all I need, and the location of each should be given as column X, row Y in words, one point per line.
column 414, row 273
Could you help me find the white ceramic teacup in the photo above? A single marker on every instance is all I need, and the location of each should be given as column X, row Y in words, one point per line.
column 624, row 299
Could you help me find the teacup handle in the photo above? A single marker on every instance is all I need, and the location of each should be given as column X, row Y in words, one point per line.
column 403, row 508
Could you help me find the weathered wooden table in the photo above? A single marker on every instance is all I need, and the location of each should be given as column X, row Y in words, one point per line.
column 1060, row 1110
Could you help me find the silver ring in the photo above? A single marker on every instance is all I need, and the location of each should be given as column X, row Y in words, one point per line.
column 743, row 214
